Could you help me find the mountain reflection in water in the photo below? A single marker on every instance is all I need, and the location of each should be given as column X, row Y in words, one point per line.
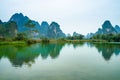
column 26, row 55
column 106, row 49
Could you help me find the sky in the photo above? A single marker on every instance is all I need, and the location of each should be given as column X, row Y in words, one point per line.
column 81, row 16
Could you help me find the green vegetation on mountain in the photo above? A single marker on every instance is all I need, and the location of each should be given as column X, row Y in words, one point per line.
column 22, row 28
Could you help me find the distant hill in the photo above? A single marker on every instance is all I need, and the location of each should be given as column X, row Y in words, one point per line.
column 76, row 34
column 107, row 28
column 117, row 28
column 33, row 29
column 18, row 23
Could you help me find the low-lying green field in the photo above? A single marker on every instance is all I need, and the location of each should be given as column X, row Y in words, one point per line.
column 13, row 42
column 25, row 42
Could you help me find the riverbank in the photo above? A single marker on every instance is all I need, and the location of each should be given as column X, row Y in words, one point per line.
column 26, row 42
column 16, row 43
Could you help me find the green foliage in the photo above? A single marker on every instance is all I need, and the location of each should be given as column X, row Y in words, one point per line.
column 75, row 37
column 108, row 37
column 8, row 30
column 30, row 24
column 16, row 43
column 2, row 39
column 20, row 36
column 31, row 41
column 45, row 40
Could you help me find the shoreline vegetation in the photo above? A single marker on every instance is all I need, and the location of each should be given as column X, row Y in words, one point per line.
column 33, row 41
column 22, row 30
column 22, row 40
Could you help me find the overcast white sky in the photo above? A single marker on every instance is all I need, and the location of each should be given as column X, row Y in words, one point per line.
column 82, row 16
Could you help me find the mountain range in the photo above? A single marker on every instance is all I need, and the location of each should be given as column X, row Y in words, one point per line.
column 107, row 28
column 8, row 29
column 32, row 28
column 18, row 23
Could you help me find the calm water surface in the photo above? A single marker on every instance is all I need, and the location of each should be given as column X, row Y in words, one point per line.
column 83, row 61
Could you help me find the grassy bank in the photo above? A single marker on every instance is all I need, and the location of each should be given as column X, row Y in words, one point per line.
column 78, row 41
column 16, row 43
column 25, row 42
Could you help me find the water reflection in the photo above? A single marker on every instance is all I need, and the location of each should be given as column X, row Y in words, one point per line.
column 75, row 45
column 27, row 54
column 106, row 49
column 50, row 49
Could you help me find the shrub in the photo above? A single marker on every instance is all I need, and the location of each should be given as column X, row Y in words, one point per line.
column 45, row 40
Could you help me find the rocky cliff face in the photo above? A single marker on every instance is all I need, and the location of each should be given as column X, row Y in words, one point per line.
column 117, row 28
column 55, row 31
column 51, row 31
column 44, row 30
column 107, row 28
column 8, row 29
column 21, row 21
column 100, row 31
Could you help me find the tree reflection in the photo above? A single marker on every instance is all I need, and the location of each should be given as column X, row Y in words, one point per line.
column 26, row 55
column 50, row 49
column 107, row 49
column 75, row 45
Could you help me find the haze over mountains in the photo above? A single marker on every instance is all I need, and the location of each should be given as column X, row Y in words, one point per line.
column 107, row 28
column 23, row 24
column 44, row 30
column 19, row 23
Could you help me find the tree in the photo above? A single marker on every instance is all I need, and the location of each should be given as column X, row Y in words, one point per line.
column 30, row 24
column 21, row 36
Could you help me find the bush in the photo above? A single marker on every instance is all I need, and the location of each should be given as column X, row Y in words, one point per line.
column 108, row 37
column 31, row 41
column 20, row 37
column 45, row 40
column 2, row 39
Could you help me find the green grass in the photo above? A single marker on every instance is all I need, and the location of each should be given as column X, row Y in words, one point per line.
column 17, row 43
column 83, row 40
column 53, row 41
